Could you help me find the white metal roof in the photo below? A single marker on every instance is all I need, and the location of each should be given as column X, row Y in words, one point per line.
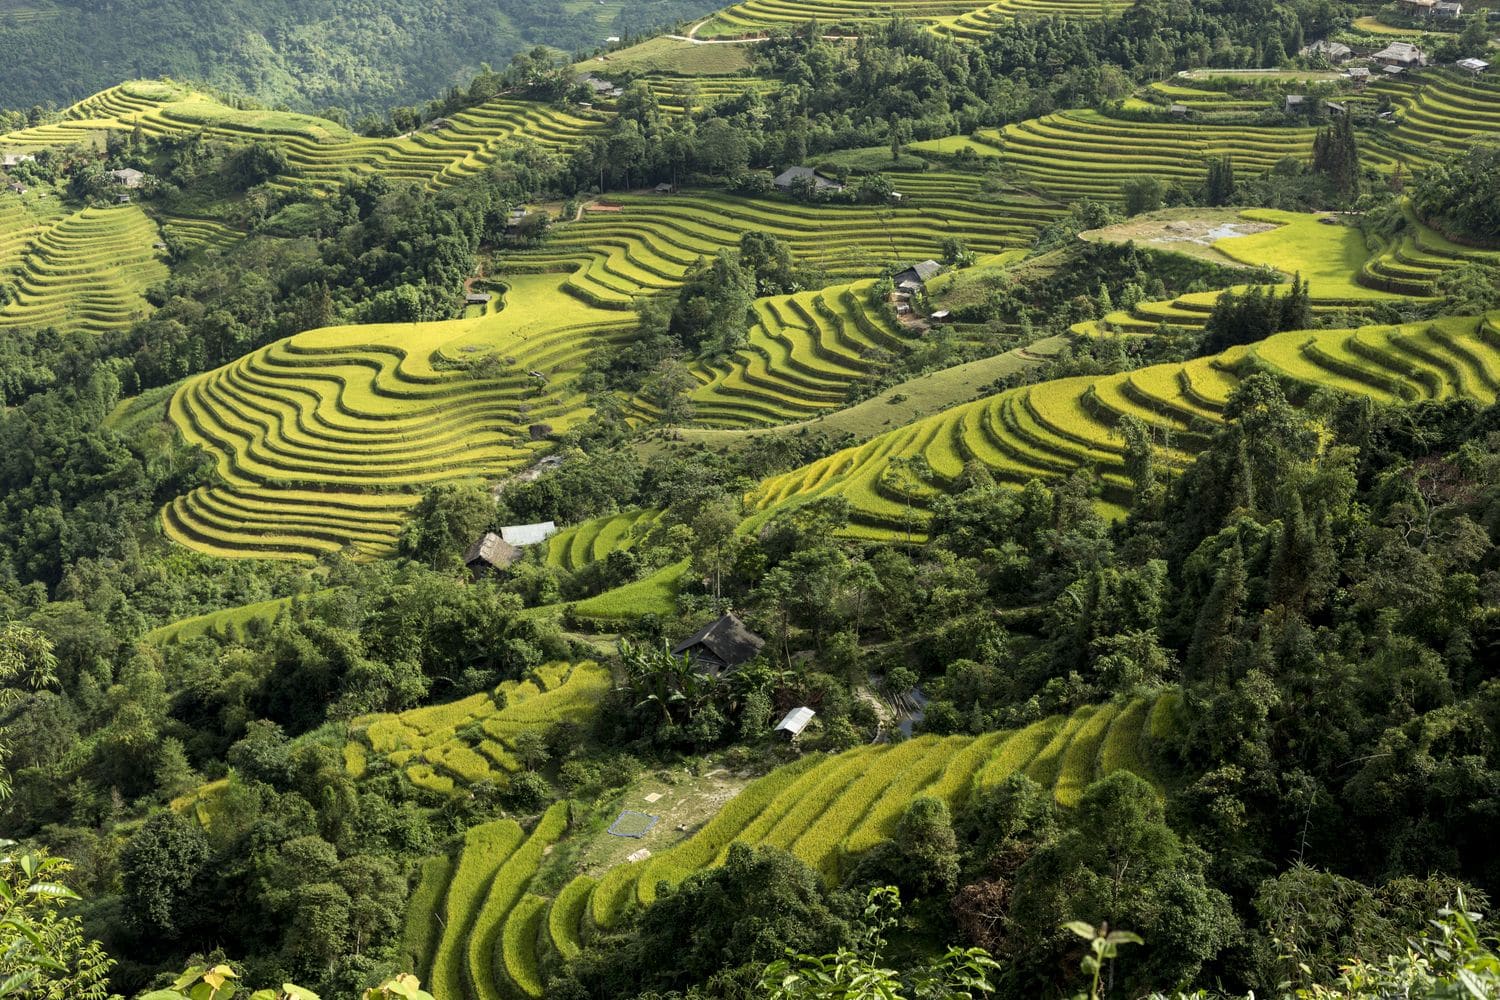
column 528, row 534
column 796, row 720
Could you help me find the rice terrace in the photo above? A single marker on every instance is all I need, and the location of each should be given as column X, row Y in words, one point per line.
column 817, row 499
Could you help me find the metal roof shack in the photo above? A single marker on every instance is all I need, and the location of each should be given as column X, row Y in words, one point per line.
column 127, row 177
column 721, row 646
column 477, row 299
column 795, row 721
column 521, row 535
column 1475, row 66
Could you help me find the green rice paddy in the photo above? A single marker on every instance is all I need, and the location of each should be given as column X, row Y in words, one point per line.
column 1055, row 428
column 502, row 930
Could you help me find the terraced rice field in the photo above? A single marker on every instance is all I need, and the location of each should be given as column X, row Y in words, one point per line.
column 805, row 352
column 85, row 272
column 200, row 234
column 435, row 747
column 1412, row 262
column 1088, row 154
column 1052, row 429
column 499, row 932
column 1332, row 257
column 22, row 220
column 324, row 440
column 1438, row 112
column 679, row 95
column 967, row 19
column 320, row 152
column 977, row 24
column 1208, row 101
column 577, row 546
column 652, row 241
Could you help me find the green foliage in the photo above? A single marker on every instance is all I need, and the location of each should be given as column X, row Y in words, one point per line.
column 1459, row 194
column 43, row 952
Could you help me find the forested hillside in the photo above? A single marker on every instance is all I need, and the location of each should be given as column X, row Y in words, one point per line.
column 352, row 57
column 913, row 500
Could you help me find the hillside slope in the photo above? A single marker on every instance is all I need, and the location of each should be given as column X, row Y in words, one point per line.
column 306, row 55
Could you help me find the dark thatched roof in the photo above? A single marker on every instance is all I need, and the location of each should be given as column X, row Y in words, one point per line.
column 491, row 550
column 723, row 644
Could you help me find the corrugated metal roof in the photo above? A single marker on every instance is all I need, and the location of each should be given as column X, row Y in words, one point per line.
column 528, row 534
column 796, row 720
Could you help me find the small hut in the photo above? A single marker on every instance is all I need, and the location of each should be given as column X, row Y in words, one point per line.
column 489, row 554
column 721, row 646
column 792, row 725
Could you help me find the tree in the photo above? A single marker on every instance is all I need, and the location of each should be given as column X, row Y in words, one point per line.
column 43, row 952
column 159, row 870
column 668, row 389
column 448, row 518
column 27, row 664
column 1120, row 863
column 1219, row 185
column 1143, row 194
column 1336, row 156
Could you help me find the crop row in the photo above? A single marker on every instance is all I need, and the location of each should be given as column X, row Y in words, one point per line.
column 87, row 272
column 320, row 152
column 459, row 743
column 496, row 935
column 803, row 356
column 324, row 440
column 594, row 539
column 1056, row 428
column 649, row 243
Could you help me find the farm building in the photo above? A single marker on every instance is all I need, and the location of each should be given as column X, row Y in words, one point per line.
column 792, row 725
column 917, row 275
column 789, row 177
column 940, row 317
column 1402, row 54
column 1178, row 110
column 1417, row 8
column 127, row 177
column 1334, row 52
column 1297, row 104
column 478, row 299
column 721, row 646
column 1359, row 76
column 1475, row 66
column 16, row 159
column 488, row 554
column 1448, row 11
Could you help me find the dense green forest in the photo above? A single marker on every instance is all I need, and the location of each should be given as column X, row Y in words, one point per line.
column 537, row 545
column 348, row 58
